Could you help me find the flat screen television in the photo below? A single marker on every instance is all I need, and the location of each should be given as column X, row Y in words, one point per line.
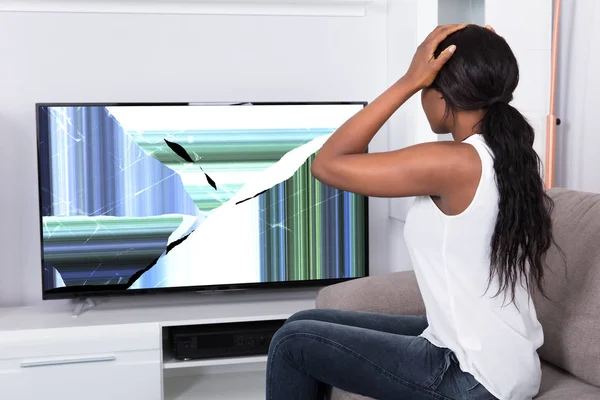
column 145, row 198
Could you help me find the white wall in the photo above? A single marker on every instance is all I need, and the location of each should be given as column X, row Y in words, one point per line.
column 578, row 85
column 97, row 57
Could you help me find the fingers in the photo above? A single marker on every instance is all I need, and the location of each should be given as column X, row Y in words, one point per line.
column 444, row 57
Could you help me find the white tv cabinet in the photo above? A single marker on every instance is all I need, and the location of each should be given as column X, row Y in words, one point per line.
column 110, row 353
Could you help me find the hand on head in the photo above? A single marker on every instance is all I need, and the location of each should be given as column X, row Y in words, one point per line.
column 425, row 66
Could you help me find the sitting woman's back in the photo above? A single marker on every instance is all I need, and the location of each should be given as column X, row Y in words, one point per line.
column 476, row 269
column 477, row 234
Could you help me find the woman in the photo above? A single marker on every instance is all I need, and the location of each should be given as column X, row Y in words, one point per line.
column 477, row 234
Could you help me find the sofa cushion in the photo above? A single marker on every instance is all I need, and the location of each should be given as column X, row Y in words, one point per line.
column 397, row 293
column 571, row 315
column 556, row 385
column 560, row 385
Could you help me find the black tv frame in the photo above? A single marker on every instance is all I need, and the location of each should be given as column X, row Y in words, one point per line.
column 83, row 294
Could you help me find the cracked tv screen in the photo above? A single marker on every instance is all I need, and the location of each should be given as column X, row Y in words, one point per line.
column 190, row 196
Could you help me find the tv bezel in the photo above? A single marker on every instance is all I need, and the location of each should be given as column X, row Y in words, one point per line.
column 297, row 284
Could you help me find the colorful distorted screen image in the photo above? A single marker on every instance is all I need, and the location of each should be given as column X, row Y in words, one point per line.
column 192, row 196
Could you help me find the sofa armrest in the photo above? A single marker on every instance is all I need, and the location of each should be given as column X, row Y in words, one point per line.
column 396, row 293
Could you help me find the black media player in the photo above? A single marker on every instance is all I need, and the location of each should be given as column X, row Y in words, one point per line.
column 235, row 339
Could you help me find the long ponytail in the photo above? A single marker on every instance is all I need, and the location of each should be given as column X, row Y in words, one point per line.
column 523, row 231
column 482, row 74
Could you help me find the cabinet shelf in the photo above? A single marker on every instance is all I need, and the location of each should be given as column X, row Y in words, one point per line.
column 171, row 363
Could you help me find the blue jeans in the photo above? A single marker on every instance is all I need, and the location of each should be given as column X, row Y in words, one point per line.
column 370, row 354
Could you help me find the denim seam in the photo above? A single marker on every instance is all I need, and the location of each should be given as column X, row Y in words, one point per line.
column 411, row 385
column 439, row 373
column 474, row 386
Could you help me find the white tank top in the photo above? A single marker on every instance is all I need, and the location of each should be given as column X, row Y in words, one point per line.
column 493, row 340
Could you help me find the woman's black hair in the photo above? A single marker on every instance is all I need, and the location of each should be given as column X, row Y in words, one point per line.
column 483, row 74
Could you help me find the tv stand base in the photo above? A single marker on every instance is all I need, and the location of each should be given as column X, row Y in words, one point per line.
column 83, row 306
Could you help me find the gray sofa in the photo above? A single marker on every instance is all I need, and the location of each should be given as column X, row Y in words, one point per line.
column 571, row 318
